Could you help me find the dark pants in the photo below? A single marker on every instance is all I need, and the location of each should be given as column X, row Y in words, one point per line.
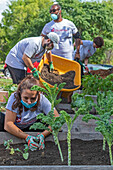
column 2, row 118
column 82, row 73
column 16, row 74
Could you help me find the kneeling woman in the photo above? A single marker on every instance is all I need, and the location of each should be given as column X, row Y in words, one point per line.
column 22, row 109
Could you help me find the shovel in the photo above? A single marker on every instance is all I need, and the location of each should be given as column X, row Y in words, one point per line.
column 82, row 65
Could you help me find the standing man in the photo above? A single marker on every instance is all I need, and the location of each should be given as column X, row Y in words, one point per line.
column 27, row 51
column 66, row 31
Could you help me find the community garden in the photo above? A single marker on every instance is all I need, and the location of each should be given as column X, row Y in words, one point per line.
column 82, row 136
column 71, row 150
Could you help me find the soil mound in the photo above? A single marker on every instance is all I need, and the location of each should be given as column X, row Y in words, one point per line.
column 54, row 77
column 103, row 73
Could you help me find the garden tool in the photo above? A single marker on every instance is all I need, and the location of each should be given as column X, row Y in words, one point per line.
column 82, row 65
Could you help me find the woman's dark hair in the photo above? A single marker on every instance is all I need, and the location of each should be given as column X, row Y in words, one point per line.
column 26, row 83
column 99, row 41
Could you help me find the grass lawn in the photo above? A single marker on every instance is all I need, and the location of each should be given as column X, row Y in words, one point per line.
column 4, row 82
column 1, row 66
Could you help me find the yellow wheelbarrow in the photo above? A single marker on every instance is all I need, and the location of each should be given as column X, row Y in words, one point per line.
column 63, row 65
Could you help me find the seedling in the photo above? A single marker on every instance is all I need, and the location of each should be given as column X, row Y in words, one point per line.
column 55, row 122
column 8, row 146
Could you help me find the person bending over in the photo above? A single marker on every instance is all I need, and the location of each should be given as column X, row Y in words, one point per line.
column 22, row 109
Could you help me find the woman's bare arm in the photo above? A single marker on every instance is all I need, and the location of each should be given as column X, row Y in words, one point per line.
column 10, row 127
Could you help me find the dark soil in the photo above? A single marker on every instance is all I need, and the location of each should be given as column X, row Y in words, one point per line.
column 54, row 77
column 101, row 72
column 83, row 153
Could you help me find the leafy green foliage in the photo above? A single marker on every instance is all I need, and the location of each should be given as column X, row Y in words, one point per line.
column 8, row 146
column 55, row 122
column 79, row 108
column 50, row 93
column 84, row 103
column 93, row 84
column 104, row 109
column 91, row 18
column 10, row 88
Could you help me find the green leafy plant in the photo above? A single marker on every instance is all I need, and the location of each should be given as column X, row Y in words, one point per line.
column 8, row 146
column 10, row 88
column 69, row 122
column 104, row 109
column 77, row 100
column 94, row 83
column 55, row 122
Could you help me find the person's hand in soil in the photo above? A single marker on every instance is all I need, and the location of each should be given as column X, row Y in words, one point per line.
column 36, row 73
column 51, row 66
column 32, row 144
column 40, row 138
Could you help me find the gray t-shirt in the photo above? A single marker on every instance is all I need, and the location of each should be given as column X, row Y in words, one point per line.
column 65, row 29
column 27, row 118
column 86, row 50
column 32, row 47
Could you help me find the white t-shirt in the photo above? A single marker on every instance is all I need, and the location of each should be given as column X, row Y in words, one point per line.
column 32, row 47
column 86, row 50
column 65, row 29
column 28, row 117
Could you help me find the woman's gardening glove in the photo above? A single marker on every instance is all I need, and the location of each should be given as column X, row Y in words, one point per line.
column 35, row 73
column 32, row 144
column 41, row 142
column 51, row 66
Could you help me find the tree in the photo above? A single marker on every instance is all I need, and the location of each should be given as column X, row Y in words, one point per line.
column 26, row 18
column 92, row 19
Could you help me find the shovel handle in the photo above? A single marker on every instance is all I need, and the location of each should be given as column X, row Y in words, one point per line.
column 82, row 65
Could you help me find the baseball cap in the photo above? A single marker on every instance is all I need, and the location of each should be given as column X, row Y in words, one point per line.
column 54, row 38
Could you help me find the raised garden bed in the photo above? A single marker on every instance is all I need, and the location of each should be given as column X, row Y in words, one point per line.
column 103, row 73
column 83, row 153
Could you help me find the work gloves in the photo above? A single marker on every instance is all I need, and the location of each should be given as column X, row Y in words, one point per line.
column 35, row 142
column 32, row 144
column 36, row 73
column 40, row 138
column 51, row 66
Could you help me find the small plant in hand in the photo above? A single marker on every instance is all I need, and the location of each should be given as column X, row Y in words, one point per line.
column 55, row 122
column 104, row 109
column 8, row 146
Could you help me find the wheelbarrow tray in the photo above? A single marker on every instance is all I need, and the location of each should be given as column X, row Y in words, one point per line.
column 63, row 65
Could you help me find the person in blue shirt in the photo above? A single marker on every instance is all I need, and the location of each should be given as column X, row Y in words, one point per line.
column 87, row 49
column 22, row 109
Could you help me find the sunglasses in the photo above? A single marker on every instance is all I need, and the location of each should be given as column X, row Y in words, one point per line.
column 53, row 10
